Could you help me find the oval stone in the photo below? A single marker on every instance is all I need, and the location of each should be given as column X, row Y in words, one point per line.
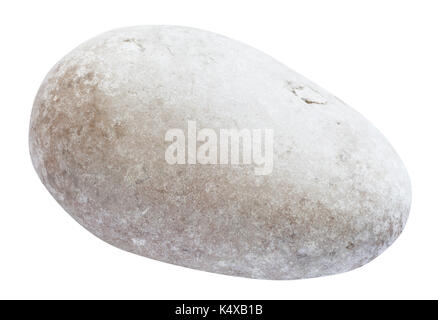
column 190, row 148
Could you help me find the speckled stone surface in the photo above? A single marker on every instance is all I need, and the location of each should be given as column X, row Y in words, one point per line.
column 337, row 197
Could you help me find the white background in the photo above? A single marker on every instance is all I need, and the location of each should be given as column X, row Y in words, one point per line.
column 381, row 57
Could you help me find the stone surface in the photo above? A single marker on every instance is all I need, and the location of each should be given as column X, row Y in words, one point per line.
column 338, row 194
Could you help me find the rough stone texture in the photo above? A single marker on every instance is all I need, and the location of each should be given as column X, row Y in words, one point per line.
column 337, row 197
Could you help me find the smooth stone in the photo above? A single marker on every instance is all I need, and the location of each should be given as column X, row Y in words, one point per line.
column 337, row 197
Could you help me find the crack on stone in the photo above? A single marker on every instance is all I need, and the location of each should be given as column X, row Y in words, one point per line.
column 308, row 101
column 134, row 41
column 306, row 94
column 170, row 51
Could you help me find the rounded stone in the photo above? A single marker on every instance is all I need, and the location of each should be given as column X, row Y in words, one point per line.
column 337, row 194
